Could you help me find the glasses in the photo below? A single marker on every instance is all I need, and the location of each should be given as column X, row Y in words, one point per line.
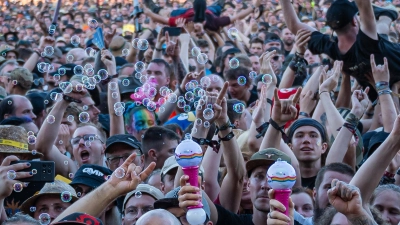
column 133, row 211
column 87, row 137
column 116, row 159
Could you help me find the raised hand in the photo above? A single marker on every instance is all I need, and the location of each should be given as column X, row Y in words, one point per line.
column 189, row 77
column 173, row 48
column 307, row 102
column 266, row 67
column 180, row 22
column 46, row 41
column 133, row 175
column 213, row 99
column 345, row 198
column 63, row 138
column 359, row 101
column 275, row 217
column 188, row 194
column 260, row 108
column 285, row 110
column 332, row 81
column 380, row 72
column 6, row 184
column 108, row 59
column 108, row 37
column 302, row 38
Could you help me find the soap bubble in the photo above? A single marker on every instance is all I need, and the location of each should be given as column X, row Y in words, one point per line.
column 31, row 139
column 113, row 86
column 44, row 219
column 49, row 50
column 66, row 196
column 241, row 80
column 103, row 74
column 84, row 117
column 239, row 107
column 181, row 104
column 151, row 106
column 202, row 58
column 266, row 79
column 11, row 174
column 50, row 119
column 234, row 63
column 135, row 43
column 114, row 95
column 18, row 187
column 125, row 82
column 125, row 52
column 70, row 118
column 208, row 114
column 75, row 40
column 138, row 194
column 140, row 67
column 142, row 44
column 119, row 172
column 206, row 124
column 66, row 87
column 233, row 33
column 32, row 209
column 205, row 82
column 30, row 133
column 189, row 96
column 70, row 58
column 34, row 171
column 172, row 98
column 93, row 23
column 253, row 74
column 196, row 51
column 62, row 71
column 78, row 70
column 198, row 122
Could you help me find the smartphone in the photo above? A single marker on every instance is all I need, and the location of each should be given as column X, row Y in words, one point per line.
column 43, row 171
column 172, row 31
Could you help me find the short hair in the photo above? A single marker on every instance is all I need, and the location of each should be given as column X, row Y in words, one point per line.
column 24, row 53
column 244, row 60
column 19, row 218
column 382, row 188
column 162, row 214
column 6, row 108
column 175, row 127
column 126, row 65
column 100, row 131
column 232, row 114
column 74, row 110
column 334, row 167
column 168, row 68
column 88, row 60
column 6, row 63
column 202, row 43
column 234, row 74
column 305, row 190
column 256, row 40
column 154, row 137
column 16, row 121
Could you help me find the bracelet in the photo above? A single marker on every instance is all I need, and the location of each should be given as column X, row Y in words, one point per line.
column 228, row 137
column 269, row 101
column 280, row 129
column 224, row 127
column 215, row 145
column 37, row 52
column 350, row 127
column 70, row 99
column 384, row 92
column 381, row 85
column 262, row 130
column 322, row 92
column 108, row 79
column 352, row 119
column 304, row 114
column 299, row 54
column 388, row 174
column 369, row 114
column 158, row 49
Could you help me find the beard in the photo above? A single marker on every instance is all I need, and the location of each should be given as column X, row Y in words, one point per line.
column 318, row 212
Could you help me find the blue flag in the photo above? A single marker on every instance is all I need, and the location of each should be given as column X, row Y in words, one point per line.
column 98, row 38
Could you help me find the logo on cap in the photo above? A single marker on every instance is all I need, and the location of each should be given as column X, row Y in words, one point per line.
column 91, row 171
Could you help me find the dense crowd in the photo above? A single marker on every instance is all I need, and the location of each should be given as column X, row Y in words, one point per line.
column 98, row 99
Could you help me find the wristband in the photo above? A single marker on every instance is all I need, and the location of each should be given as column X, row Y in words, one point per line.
column 384, row 92
column 262, row 130
column 381, row 85
column 215, row 145
column 323, row 92
column 280, row 129
column 159, row 49
column 108, row 79
column 349, row 126
column 369, row 114
column 304, row 114
column 224, row 127
column 388, row 174
column 70, row 99
column 269, row 101
column 352, row 119
column 228, row 137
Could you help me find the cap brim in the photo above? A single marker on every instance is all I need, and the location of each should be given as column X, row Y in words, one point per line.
column 166, row 203
column 86, row 181
column 124, row 142
column 251, row 164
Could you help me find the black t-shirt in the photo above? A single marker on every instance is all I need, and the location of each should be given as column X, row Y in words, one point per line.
column 226, row 217
column 308, row 182
column 253, row 97
column 356, row 61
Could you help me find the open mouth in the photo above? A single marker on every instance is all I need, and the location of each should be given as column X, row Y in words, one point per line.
column 85, row 155
column 306, row 149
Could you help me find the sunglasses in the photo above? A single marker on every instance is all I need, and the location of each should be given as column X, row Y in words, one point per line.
column 87, row 137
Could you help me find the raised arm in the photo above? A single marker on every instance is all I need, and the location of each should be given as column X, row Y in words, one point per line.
column 339, row 148
column 32, row 61
column 367, row 18
column 48, row 135
column 232, row 185
column 376, row 164
column 291, row 18
column 116, row 120
column 108, row 192
column 381, row 76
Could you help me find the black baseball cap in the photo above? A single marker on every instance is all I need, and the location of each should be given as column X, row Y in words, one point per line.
column 69, row 70
column 124, row 138
column 340, row 14
column 91, row 175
